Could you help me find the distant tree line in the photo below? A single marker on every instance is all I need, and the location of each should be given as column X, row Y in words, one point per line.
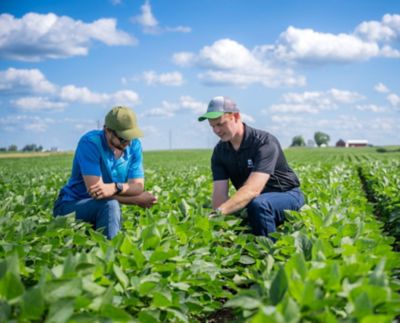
column 28, row 148
column 320, row 139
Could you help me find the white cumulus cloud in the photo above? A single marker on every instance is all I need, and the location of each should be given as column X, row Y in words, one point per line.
column 25, row 80
column 30, row 90
column 309, row 46
column 38, row 103
column 168, row 79
column 36, row 37
column 170, row 109
column 381, row 88
column 313, row 102
column 394, row 99
column 197, row 107
column 370, row 108
column 368, row 40
column 73, row 93
column 150, row 24
column 380, row 31
column 166, row 109
column 227, row 62
column 23, row 122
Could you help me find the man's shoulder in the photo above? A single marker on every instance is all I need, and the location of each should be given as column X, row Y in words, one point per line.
column 221, row 146
column 135, row 145
column 91, row 135
column 91, row 140
column 259, row 135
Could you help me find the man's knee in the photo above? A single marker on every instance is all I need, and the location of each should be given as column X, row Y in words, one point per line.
column 257, row 205
column 113, row 209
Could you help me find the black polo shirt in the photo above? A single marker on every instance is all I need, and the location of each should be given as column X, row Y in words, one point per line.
column 259, row 151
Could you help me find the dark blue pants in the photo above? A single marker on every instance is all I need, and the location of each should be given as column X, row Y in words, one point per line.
column 266, row 211
column 102, row 214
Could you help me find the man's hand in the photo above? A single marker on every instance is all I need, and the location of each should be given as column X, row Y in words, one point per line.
column 145, row 200
column 101, row 190
column 215, row 213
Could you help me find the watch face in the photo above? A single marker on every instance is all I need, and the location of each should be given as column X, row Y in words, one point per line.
column 119, row 187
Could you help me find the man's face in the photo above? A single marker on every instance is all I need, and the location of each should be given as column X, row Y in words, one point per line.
column 116, row 141
column 225, row 126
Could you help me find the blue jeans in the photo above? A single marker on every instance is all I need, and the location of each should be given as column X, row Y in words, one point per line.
column 102, row 214
column 266, row 211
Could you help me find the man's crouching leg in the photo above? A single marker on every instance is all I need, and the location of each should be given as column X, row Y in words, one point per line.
column 261, row 215
column 267, row 211
column 109, row 218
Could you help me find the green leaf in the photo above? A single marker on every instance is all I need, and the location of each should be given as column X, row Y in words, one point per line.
column 121, row 276
column 115, row 314
column 149, row 316
column 377, row 319
column 291, row 311
column 126, row 245
column 60, row 311
column 148, row 283
column 378, row 276
column 33, row 304
column 11, row 286
column 296, row 264
column 279, row 286
column 362, row 305
column 244, row 302
column 162, row 299
column 184, row 207
column 159, row 256
column 150, row 237
column 92, row 287
column 303, row 244
column 180, row 285
column 59, row 289
column 177, row 315
column 246, row 260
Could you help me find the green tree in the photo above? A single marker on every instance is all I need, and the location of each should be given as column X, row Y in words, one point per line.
column 321, row 138
column 298, row 141
column 31, row 147
column 12, row 148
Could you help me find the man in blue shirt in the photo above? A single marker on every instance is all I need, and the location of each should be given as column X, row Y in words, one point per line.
column 107, row 170
column 253, row 161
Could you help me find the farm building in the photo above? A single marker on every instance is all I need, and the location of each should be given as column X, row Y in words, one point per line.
column 340, row 143
column 357, row 143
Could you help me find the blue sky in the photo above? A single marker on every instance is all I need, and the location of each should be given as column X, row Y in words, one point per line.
column 293, row 67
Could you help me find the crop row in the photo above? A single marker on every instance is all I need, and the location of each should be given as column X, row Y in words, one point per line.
column 382, row 181
column 171, row 263
column 332, row 261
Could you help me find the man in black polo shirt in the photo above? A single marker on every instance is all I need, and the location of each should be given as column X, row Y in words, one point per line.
column 254, row 162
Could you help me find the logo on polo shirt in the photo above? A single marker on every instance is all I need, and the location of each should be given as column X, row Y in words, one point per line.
column 250, row 163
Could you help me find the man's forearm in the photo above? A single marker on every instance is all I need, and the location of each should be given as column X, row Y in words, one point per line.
column 238, row 201
column 144, row 200
column 130, row 200
column 132, row 189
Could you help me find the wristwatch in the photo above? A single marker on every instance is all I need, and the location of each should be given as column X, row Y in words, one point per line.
column 119, row 187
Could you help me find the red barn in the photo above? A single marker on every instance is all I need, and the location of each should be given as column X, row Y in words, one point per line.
column 357, row 143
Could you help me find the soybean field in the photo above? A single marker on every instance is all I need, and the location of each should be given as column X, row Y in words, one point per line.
column 336, row 260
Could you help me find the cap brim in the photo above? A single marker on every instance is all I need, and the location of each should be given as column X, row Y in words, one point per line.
column 130, row 133
column 210, row 115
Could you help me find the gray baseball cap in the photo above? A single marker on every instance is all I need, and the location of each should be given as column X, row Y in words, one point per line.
column 218, row 106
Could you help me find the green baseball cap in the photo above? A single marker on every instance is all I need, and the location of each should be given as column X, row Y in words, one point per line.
column 123, row 121
column 218, row 106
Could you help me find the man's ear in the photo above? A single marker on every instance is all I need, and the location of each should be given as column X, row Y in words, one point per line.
column 236, row 115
